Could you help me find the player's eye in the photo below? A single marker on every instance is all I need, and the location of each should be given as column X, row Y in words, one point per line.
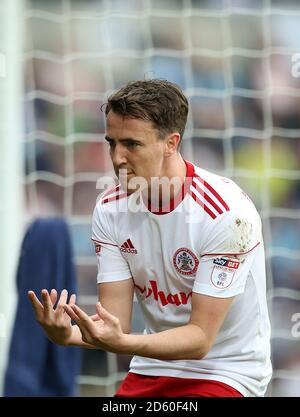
column 131, row 145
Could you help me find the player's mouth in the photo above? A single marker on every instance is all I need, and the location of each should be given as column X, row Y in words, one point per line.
column 123, row 172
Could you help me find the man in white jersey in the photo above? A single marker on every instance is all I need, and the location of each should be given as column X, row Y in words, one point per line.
column 193, row 256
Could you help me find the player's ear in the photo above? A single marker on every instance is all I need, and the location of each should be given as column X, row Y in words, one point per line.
column 172, row 142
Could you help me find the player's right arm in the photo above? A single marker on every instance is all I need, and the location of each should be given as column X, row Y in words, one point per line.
column 114, row 278
column 117, row 297
column 115, row 290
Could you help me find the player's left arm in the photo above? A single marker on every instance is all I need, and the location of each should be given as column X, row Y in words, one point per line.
column 191, row 341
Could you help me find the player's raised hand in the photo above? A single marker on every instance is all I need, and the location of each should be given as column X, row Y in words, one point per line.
column 55, row 321
column 106, row 333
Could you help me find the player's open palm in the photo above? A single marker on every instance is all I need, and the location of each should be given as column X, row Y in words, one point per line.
column 56, row 323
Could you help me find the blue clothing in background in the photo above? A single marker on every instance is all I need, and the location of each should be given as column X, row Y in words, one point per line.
column 37, row 367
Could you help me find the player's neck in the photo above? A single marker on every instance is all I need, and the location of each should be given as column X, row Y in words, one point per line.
column 174, row 173
column 174, row 167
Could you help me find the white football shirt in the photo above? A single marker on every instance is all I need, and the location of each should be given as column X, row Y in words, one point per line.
column 209, row 241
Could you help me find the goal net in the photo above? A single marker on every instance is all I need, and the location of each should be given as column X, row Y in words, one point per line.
column 237, row 62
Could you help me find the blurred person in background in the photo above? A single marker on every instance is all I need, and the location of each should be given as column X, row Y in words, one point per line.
column 194, row 257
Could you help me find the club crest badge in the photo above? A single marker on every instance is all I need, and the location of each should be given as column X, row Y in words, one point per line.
column 185, row 262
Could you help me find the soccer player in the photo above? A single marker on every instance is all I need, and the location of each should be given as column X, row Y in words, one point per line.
column 189, row 244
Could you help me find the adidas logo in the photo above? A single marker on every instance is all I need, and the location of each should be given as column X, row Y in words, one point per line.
column 128, row 247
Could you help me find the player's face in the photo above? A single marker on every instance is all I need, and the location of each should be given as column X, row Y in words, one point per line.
column 134, row 147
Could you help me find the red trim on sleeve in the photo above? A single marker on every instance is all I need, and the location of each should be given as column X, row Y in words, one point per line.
column 103, row 243
column 230, row 254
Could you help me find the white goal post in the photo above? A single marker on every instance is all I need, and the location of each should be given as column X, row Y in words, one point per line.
column 11, row 163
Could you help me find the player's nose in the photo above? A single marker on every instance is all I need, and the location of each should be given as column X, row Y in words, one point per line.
column 118, row 155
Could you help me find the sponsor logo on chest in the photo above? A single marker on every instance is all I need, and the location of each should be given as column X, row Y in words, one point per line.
column 163, row 297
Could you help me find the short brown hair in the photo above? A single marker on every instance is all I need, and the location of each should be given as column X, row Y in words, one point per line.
column 158, row 101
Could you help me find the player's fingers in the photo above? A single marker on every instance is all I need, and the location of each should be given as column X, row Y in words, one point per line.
column 85, row 320
column 72, row 299
column 104, row 314
column 63, row 298
column 70, row 312
column 80, row 313
column 95, row 317
column 97, row 320
column 62, row 301
column 48, row 306
column 74, row 316
column 36, row 304
column 53, row 296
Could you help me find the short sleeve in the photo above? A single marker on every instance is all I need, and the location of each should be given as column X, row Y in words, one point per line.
column 227, row 256
column 111, row 264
